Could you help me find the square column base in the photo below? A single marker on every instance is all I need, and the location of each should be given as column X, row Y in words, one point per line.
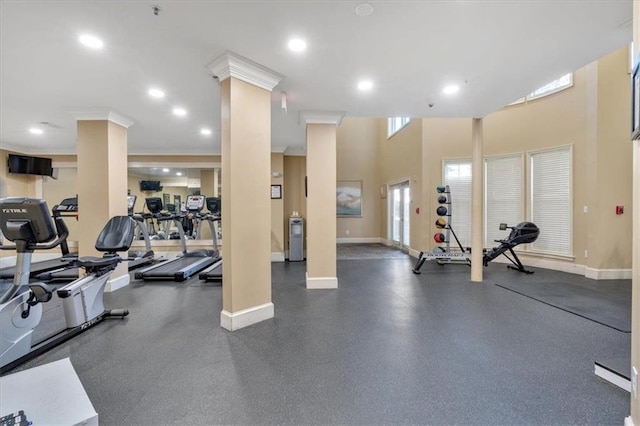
column 118, row 282
column 246, row 317
column 315, row 283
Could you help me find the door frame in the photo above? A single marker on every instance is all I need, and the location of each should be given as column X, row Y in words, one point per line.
column 389, row 187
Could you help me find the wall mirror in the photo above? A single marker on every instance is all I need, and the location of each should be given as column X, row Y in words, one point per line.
column 176, row 180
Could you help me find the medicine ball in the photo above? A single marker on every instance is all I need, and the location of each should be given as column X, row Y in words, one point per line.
column 438, row 238
column 441, row 188
column 441, row 211
column 442, row 199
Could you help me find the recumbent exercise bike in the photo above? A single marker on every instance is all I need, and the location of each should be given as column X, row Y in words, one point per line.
column 26, row 222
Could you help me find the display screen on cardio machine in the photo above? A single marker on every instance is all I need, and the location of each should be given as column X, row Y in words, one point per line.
column 195, row 202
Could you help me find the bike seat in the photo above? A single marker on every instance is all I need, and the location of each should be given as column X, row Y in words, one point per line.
column 92, row 262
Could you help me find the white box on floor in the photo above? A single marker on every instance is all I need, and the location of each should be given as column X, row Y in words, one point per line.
column 48, row 394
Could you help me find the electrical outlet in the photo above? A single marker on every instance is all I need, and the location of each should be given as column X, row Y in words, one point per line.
column 347, row 232
column 586, row 253
column 585, row 209
column 634, row 382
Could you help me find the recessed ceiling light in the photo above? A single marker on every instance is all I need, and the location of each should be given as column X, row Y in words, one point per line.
column 206, row 132
column 364, row 9
column 156, row 93
column 365, row 85
column 91, row 41
column 36, row 131
column 165, row 170
column 178, row 173
column 451, row 89
column 180, row 111
column 297, row 45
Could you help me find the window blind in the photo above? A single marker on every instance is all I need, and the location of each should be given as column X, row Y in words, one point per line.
column 504, row 195
column 551, row 200
column 457, row 174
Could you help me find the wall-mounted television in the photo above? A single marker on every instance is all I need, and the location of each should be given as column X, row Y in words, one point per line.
column 24, row 164
column 150, row 185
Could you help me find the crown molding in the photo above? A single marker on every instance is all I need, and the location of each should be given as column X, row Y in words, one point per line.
column 278, row 149
column 102, row 114
column 230, row 64
column 321, row 117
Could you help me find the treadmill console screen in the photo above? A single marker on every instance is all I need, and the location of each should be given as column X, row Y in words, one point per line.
column 195, row 203
column 154, row 204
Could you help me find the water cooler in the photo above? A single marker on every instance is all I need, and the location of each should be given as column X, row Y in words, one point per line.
column 296, row 239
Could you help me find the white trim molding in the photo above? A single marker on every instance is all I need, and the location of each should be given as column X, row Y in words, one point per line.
column 103, row 114
column 359, row 240
column 628, row 421
column 612, row 378
column 319, row 283
column 277, row 256
column 246, row 317
column 116, row 283
column 607, row 274
column 414, row 253
column 230, row 64
column 321, row 117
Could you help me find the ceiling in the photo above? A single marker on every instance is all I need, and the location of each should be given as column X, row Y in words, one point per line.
column 495, row 50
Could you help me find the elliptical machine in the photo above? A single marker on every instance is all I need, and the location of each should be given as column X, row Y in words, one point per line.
column 27, row 223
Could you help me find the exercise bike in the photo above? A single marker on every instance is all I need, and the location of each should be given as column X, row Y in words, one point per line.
column 27, row 223
column 522, row 233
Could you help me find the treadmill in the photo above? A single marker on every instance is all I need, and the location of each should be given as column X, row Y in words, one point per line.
column 138, row 258
column 67, row 208
column 214, row 272
column 190, row 262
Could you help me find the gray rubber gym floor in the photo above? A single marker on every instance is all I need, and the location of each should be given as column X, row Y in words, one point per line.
column 387, row 347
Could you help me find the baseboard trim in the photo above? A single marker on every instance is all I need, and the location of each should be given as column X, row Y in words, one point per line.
column 246, row 317
column 277, row 256
column 414, row 253
column 628, row 421
column 319, row 283
column 538, row 262
column 116, row 283
column 358, row 240
column 608, row 274
column 612, row 378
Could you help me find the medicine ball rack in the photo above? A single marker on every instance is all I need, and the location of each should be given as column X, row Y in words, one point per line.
column 443, row 254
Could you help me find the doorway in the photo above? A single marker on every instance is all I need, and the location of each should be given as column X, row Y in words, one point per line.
column 399, row 209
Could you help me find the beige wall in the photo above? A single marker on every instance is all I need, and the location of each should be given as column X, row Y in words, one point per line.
column 295, row 169
column 441, row 139
column 400, row 159
column 357, row 159
column 14, row 185
column 277, row 206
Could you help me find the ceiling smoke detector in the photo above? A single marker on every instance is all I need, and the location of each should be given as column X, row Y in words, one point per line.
column 364, row 9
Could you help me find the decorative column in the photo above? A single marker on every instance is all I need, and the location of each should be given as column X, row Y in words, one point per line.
column 321, row 198
column 245, row 96
column 477, row 201
column 102, row 181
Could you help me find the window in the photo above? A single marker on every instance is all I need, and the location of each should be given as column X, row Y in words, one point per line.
column 562, row 83
column 395, row 124
column 503, row 195
column 457, row 174
column 551, row 200
column 555, row 86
